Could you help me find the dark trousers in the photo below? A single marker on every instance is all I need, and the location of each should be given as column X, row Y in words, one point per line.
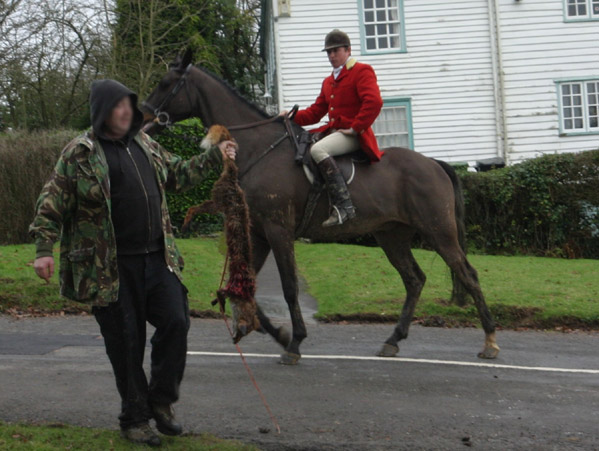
column 149, row 292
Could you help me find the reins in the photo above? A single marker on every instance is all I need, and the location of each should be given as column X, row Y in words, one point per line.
column 253, row 124
column 263, row 154
column 288, row 134
column 158, row 112
column 245, row 364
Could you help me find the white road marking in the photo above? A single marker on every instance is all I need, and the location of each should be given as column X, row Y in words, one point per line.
column 405, row 360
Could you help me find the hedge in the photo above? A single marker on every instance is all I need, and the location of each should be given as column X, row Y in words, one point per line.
column 544, row 206
column 27, row 158
column 184, row 139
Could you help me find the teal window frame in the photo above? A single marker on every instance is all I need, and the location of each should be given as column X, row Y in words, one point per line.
column 405, row 102
column 573, row 132
column 402, row 32
column 590, row 17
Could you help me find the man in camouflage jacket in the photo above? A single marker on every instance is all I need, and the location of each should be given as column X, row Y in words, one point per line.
column 106, row 202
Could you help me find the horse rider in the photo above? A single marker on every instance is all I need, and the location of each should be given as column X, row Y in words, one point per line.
column 105, row 201
column 351, row 97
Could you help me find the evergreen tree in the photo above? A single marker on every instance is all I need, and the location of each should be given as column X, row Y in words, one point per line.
column 147, row 34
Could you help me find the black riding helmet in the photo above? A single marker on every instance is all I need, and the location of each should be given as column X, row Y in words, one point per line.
column 335, row 39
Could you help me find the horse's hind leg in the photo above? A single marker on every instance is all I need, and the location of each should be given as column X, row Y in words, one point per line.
column 260, row 251
column 457, row 261
column 396, row 244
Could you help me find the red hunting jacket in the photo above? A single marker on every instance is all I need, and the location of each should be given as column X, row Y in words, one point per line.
column 353, row 100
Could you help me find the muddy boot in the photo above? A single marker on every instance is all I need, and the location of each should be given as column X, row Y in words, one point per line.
column 142, row 434
column 343, row 209
column 166, row 422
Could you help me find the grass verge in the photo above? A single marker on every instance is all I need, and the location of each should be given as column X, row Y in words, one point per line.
column 21, row 291
column 358, row 283
column 353, row 282
column 61, row 437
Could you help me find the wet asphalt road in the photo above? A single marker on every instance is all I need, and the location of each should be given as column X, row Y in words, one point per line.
column 55, row 369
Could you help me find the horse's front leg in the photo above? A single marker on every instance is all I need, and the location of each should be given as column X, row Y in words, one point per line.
column 281, row 242
column 260, row 251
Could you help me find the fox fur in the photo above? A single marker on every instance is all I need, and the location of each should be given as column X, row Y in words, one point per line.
column 228, row 198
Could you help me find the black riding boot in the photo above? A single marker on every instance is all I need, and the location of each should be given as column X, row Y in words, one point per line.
column 343, row 209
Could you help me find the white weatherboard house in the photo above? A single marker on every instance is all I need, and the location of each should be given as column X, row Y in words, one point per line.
column 462, row 80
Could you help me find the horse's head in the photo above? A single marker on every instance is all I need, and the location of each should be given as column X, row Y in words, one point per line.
column 173, row 98
column 188, row 91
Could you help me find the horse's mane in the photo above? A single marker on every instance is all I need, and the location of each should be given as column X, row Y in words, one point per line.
column 254, row 106
column 235, row 91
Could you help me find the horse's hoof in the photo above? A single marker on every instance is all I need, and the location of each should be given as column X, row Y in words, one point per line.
column 488, row 353
column 289, row 358
column 388, row 350
column 283, row 337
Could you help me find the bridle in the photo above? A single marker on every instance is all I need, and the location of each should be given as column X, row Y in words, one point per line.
column 162, row 117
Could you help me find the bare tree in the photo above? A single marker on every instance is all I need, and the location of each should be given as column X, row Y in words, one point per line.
column 222, row 33
column 146, row 33
column 50, row 52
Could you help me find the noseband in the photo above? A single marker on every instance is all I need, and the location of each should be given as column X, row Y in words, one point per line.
column 162, row 117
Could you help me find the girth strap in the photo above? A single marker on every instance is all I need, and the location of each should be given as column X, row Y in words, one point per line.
column 314, row 193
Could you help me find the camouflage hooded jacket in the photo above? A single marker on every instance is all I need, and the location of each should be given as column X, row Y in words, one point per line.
column 75, row 206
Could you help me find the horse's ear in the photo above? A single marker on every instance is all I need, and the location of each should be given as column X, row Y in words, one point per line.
column 174, row 64
column 186, row 59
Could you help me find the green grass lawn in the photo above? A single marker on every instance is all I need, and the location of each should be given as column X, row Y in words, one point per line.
column 351, row 280
column 354, row 279
column 21, row 288
column 61, row 437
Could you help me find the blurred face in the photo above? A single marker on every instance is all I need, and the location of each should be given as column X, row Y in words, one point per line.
column 119, row 121
column 338, row 56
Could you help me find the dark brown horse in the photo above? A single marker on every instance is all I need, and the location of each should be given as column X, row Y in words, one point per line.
column 404, row 194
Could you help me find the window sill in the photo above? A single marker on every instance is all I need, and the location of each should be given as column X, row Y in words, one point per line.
column 382, row 52
column 566, row 134
column 583, row 19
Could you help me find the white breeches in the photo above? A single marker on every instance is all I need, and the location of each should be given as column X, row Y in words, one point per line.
column 333, row 145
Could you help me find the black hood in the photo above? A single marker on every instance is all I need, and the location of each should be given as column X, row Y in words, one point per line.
column 104, row 95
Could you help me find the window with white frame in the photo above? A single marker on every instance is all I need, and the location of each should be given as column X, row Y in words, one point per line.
column 582, row 9
column 381, row 26
column 579, row 103
column 393, row 127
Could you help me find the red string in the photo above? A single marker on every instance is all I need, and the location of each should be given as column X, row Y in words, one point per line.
column 222, row 277
column 245, row 364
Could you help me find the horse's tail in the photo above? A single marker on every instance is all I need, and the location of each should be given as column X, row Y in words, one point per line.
column 459, row 295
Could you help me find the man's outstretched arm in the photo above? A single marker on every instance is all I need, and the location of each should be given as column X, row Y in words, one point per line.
column 184, row 174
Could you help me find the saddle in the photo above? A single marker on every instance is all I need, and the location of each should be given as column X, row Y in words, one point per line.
column 302, row 142
column 346, row 163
